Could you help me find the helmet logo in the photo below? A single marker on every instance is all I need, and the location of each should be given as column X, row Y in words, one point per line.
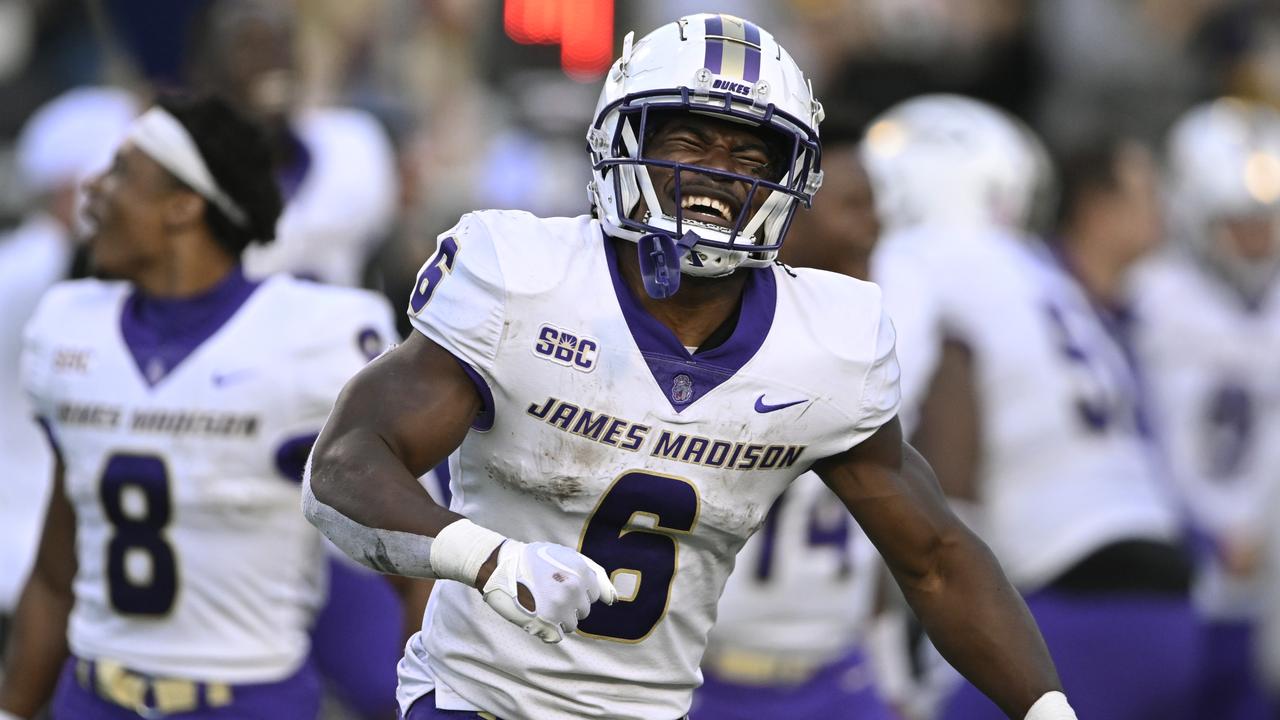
column 732, row 87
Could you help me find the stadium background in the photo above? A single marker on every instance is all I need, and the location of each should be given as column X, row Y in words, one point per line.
column 486, row 102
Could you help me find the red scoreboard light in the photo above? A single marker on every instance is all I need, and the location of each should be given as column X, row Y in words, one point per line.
column 583, row 28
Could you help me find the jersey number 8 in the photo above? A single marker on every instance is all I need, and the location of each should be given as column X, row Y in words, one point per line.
column 138, row 538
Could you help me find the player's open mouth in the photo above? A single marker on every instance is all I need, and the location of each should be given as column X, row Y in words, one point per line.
column 702, row 208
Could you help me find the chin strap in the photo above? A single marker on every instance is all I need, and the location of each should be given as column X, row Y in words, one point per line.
column 660, row 256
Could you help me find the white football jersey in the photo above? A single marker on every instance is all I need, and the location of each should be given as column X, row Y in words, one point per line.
column 194, row 558
column 34, row 256
column 1063, row 468
column 606, row 435
column 1213, row 366
column 805, row 583
column 344, row 205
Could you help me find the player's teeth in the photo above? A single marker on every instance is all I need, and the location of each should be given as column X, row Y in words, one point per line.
column 690, row 200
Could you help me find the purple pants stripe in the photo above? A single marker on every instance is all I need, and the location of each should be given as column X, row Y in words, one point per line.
column 1120, row 657
column 358, row 639
column 294, row 698
column 1231, row 689
column 843, row 689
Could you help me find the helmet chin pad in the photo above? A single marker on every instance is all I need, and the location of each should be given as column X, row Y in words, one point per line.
column 660, row 257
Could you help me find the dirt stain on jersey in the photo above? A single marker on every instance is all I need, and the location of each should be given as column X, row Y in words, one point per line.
column 545, row 487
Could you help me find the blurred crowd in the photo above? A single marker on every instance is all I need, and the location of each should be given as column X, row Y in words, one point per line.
column 390, row 118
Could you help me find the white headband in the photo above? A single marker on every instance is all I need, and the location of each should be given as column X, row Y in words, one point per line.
column 165, row 140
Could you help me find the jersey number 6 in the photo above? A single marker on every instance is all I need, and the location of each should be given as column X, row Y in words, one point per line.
column 440, row 265
column 634, row 531
column 138, row 544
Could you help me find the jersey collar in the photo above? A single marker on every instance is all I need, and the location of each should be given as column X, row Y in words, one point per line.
column 684, row 378
column 162, row 332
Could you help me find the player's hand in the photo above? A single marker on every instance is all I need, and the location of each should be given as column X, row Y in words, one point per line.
column 560, row 582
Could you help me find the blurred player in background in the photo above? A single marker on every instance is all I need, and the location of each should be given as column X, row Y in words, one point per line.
column 181, row 401
column 336, row 165
column 1109, row 219
column 1028, row 408
column 628, row 395
column 795, row 612
column 337, row 170
column 1209, row 320
column 61, row 144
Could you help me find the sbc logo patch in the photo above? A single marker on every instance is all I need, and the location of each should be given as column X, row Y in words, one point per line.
column 566, row 348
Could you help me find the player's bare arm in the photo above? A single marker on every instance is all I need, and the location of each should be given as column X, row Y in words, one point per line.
column 399, row 417
column 39, row 643
column 950, row 578
column 395, row 420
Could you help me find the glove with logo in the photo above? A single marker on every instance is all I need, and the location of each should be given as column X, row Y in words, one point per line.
column 563, row 583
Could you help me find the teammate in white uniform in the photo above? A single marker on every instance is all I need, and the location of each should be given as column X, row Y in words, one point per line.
column 1029, row 407
column 1209, row 322
column 796, row 610
column 59, row 146
column 337, row 169
column 622, row 428
column 181, row 402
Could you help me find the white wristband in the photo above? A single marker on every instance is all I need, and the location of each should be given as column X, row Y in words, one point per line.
column 1051, row 706
column 6, row 715
column 460, row 549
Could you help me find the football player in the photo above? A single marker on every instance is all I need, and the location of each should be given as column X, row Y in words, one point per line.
column 790, row 625
column 1028, row 406
column 628, row 394
column 336, row 167
column 1208, row 320
column 64, row 141
column 181, row 401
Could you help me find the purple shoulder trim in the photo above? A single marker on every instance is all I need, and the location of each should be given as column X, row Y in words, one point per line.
column 484, row 420
column 291, row 456
column 47, row 428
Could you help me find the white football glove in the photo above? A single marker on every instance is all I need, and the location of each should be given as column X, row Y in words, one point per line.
column 1051, row 706
column 562, row 581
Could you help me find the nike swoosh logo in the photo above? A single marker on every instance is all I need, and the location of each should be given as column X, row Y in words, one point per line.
column 762, row 407
column 224, row 379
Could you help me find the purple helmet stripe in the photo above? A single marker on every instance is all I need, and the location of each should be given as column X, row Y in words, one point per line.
column 714, row 27
column 751, row 66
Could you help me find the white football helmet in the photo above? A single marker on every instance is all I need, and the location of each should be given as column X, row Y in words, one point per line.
column 717, row 65
column 1224, row 169
column 950, row 158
